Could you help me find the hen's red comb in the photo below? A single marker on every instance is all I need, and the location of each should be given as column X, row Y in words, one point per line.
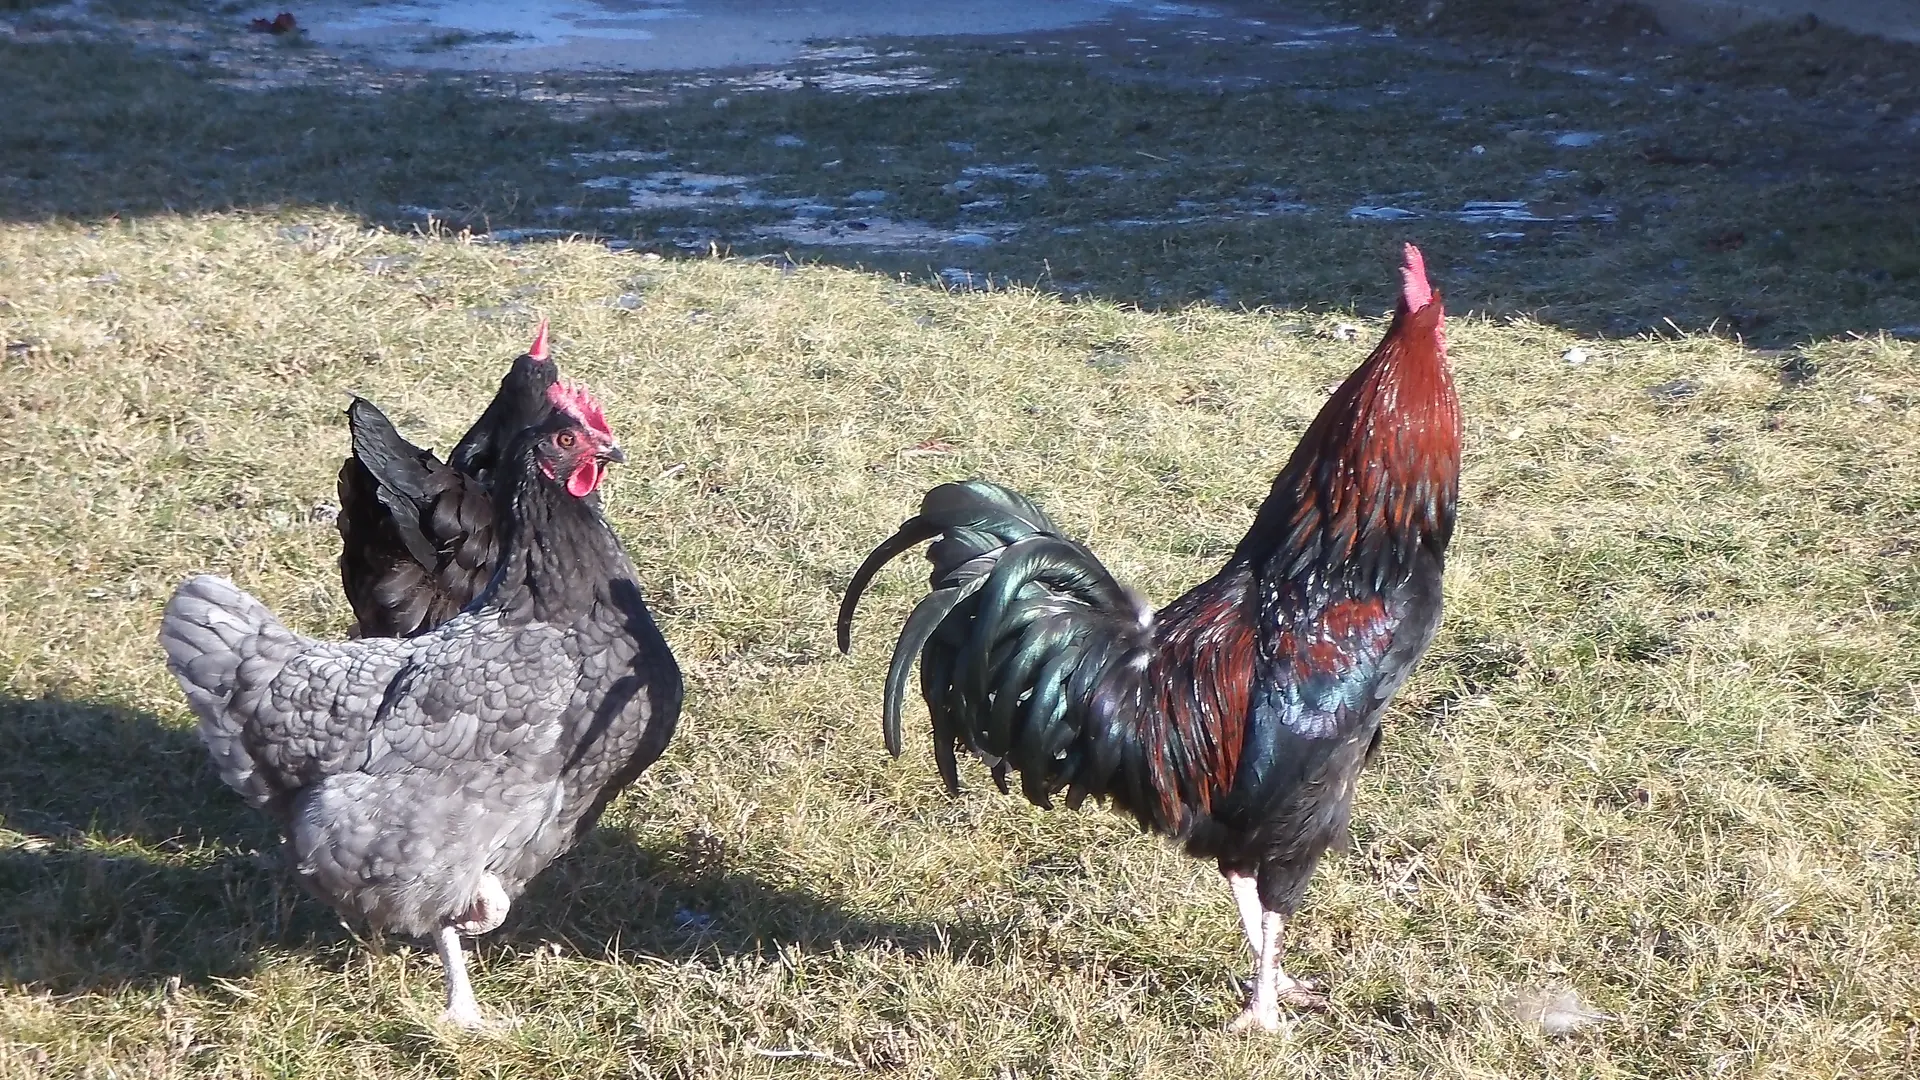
column 1415, row 293
column 578, row 402
column 538, row 350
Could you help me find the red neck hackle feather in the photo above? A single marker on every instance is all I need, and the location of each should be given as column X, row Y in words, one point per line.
column 1380, row 464
column 538, row 350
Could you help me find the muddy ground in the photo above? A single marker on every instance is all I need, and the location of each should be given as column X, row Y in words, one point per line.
column 1594, row 173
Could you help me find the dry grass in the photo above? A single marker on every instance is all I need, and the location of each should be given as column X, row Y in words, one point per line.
column 1662, row 753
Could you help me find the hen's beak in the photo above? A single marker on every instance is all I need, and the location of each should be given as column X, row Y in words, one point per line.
column 613, row 455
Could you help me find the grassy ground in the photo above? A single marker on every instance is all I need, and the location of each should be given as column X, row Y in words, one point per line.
column 1662, row 753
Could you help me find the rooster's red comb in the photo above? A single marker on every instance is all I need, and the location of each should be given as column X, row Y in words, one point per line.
column 1415, row 293
column 538, row 350
column 578, row 402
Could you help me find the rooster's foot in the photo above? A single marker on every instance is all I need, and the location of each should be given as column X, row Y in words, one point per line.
column 1265, row 1015
column 1300, row 994
column 1253, row 1018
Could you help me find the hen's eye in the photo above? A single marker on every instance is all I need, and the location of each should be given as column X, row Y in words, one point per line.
column 565, row 440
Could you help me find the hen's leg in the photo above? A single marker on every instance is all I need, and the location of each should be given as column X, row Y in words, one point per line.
column 487, row 911
column 462, row 1010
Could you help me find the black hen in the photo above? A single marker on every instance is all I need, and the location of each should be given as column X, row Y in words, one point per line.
column 1236, row 720
column 417, row 541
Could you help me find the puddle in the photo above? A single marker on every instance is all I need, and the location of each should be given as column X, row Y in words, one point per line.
column 675, row 35
column 848, row 82
column 1381, row 213
column 682, row 191
column 880, row 233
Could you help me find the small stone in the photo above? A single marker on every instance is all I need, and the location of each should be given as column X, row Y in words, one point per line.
column 1575, row 356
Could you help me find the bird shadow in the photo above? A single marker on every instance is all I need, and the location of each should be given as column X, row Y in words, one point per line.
column 122, row 857
column 76, row 769
column 610, row 897
column 125, row 862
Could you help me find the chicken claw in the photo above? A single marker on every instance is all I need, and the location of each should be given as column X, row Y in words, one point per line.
column 487, row 911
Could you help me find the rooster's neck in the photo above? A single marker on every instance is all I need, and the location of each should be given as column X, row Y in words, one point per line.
column 1376, row 477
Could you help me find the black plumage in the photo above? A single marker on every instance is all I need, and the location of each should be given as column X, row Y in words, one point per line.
column 417, row 541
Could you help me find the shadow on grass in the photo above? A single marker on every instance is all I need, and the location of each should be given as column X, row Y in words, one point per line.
column 610, row 896
column 139, row 866
column 127, row 871
column 1154, row 193
column 72, row 769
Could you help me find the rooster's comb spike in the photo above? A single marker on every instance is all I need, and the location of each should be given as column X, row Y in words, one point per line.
column 578, row 402
column 1415, row 293
column 538, row 350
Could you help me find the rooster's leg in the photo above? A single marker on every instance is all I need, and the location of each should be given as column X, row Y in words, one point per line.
column 1246, row 896
column 1263, row 1007
column 1271, row 984
column 462, row 1010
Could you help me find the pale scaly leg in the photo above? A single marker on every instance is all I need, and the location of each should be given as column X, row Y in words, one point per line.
column 487, row 911
column 1271, row 984
column 1263, row 1008
column 1246, row 896
column 462, row 1010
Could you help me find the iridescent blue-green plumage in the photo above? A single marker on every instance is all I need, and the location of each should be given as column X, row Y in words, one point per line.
column 1238, row 718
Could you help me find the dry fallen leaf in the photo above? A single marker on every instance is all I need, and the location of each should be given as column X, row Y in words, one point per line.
column 1555, row 1012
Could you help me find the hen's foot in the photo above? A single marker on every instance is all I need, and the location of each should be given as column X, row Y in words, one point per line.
column 473, row 1021
column 487, row 911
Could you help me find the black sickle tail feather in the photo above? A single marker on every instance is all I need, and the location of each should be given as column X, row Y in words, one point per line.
column 1029, row 648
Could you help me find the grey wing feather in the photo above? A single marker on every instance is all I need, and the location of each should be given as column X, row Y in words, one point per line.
column 279, row 711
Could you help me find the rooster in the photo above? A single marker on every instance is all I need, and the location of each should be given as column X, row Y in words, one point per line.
column 422, row 782
column 417, row 541
column 1237, row 719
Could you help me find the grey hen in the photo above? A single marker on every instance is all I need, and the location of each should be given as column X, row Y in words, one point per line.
column 422, row 782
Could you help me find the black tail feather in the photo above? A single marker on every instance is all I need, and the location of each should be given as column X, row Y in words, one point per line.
column 401, row 473
column 1018, row 630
